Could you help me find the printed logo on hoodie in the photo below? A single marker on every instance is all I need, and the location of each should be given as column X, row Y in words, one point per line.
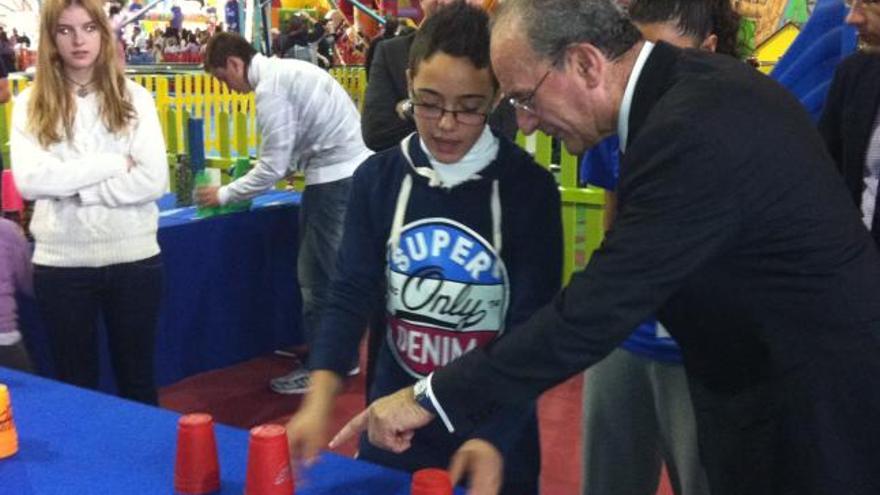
column 447, row 294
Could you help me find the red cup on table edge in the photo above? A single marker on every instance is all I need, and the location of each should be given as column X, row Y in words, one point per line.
column 196, row 470
column 431, row 481
column 268, row 465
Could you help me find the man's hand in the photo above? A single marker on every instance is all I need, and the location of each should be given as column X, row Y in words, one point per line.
column 207, row 196
column 390, row 422
column 481, row 462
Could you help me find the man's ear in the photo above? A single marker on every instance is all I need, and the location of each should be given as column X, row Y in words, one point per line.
column 586, row 62
column 234, row 65
column 710, row 44
column 409, row 84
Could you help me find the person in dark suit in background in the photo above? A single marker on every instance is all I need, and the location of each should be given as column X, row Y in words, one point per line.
column 383, row 120
column 849, row 122
column 389, row 31
column 732, row 226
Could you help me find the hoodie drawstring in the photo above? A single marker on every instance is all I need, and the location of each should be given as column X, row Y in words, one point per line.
column 400, row 211
column 430, row 174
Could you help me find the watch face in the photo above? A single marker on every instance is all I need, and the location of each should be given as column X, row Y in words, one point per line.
column 420, row 394
column 420, row 388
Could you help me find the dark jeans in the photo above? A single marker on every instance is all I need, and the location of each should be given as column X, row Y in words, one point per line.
column 321, row 220
column 127, row 294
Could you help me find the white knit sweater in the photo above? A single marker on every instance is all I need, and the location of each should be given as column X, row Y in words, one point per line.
column 91, row 210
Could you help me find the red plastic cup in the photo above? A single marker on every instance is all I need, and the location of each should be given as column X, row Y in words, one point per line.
column 268, row 466
column 11, row 197
column 196, row 471
column 431, row 481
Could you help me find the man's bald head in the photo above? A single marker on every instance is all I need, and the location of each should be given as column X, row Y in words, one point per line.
column 550, row 26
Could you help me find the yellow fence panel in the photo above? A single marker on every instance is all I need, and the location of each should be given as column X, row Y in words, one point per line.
column 230, row 131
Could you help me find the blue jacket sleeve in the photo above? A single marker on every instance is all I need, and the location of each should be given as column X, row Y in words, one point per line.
column 600, row 164
column 355, row 290
column 534, row 258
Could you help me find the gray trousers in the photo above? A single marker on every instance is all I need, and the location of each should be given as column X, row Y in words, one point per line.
column 321, row 221
column 637, row 415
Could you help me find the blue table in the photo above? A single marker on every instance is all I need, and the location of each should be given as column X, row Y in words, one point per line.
column 230, row 290
column 75, row 441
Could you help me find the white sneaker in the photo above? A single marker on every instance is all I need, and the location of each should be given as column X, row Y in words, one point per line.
column 295, row 382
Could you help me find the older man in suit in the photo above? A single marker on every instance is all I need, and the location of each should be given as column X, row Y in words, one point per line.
column 851, row 116
column 732, row 226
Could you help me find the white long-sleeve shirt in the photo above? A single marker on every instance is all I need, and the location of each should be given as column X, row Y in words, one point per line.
column 307, row 122
column 91, row 210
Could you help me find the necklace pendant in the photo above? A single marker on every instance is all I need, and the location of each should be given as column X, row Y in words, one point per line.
column 82, row 92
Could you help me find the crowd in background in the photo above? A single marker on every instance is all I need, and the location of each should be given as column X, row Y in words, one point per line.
column 330, row 41
column 12, row 45
column 163, row 45
column 327, row 41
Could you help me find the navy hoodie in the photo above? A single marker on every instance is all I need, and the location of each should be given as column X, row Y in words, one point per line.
column 445, row 288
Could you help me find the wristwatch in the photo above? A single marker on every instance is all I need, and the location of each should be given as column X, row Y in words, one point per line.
column 420, row 393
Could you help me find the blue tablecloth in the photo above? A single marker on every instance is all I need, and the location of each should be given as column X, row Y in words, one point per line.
column 75, row 441
column 230, row 290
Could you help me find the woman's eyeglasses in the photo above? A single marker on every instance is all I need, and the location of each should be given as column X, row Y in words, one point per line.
column 435, row 112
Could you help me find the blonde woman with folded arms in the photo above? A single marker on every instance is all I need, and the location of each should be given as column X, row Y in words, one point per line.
column 87, row 146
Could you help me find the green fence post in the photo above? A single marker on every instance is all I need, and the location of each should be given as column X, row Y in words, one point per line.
column 543, row 149
column 4, row 136
column 241, row 136
column 185, row 123
column 568, row 169
column 171, row 132
column 223, row 134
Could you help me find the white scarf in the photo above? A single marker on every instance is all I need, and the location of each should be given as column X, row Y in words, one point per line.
column 481, row 154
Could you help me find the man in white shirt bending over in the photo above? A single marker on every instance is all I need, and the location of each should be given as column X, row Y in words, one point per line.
column 307, row 123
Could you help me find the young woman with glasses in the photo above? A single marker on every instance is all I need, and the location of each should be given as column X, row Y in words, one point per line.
column 455, row 235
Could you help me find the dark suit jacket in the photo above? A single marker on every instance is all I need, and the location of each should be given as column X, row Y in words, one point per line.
column 848, row 117
column 380, row 124
column 735, row 229
column 371, row 51
column 381, row 127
